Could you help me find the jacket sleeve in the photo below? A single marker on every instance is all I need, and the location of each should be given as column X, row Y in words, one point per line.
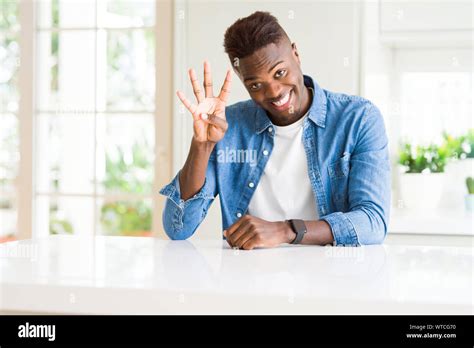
column 366, row 222
column 182, row 218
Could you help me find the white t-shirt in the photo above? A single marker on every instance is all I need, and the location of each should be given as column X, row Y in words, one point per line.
column 284, row 191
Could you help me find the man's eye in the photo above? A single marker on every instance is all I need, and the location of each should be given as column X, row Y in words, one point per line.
column 280, row 73
column 254, row 86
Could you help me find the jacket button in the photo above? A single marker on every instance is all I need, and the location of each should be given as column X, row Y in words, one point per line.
column 251, row 184
column 239, row 215
column 270, row 129
column 265, row 152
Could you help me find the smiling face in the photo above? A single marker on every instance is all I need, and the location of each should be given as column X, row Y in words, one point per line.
column 272, row 75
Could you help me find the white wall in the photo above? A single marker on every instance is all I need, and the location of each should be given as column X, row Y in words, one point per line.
column 326, row 34
column 398, row 15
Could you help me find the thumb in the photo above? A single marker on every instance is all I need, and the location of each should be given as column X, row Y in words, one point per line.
column 215, row 121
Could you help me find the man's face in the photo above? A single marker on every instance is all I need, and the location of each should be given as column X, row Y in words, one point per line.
column 272, row 76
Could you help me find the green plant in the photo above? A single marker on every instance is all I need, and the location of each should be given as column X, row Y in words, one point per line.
column 126, row 218
column 470, row 143
column 460, row 147
column 9, row 14
column 470, row 185
column 431, row 158
column 55, row 47
column 128, row 171
column 56, row 224
column 134, row 175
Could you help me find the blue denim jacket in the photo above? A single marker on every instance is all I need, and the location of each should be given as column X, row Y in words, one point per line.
column 348, row 165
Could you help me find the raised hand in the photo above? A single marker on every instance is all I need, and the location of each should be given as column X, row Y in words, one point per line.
column 210, row 122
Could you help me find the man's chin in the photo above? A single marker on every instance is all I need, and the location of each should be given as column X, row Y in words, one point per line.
column 288, row 113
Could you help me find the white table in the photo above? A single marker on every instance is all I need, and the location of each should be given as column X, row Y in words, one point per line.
column 128, row 275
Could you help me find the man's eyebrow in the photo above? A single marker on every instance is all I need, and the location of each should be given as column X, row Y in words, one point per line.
column 273, row 67
column 250, row 78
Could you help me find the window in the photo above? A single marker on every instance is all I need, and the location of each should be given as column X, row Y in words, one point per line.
column 94, row 117
column 435, row 93
column 435, row 97
column 418, row 70
column 94, row 140
column 435, row 102
column 9, row 125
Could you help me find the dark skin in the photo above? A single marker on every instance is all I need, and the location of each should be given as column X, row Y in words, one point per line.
column 271, row 73
column 268, row 75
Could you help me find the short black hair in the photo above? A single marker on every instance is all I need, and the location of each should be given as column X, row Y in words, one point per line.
column 251, row 33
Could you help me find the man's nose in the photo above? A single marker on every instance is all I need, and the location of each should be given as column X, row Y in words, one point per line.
column 273, row 91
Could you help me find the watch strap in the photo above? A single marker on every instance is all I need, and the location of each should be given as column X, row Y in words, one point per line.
column 299, row 228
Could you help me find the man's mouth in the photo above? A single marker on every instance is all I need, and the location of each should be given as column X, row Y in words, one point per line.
column 283, row 102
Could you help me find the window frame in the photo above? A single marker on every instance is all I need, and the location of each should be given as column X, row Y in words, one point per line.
column 26, row 192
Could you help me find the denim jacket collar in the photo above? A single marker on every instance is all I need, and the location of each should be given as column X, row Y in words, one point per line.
column 317, row 110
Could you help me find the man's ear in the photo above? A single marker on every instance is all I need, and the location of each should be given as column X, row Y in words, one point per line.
column 236, row 71
column 295, row 52
column 235, row 63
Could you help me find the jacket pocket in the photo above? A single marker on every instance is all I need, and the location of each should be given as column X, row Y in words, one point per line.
column 339, row 177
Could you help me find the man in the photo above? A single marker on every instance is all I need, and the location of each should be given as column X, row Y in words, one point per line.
column 295, row 164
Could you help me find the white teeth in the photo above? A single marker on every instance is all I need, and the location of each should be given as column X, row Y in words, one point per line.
column 283, row 100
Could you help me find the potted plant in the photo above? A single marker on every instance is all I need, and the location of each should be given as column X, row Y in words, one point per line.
column 469, row 198
column 422, row 177
column 460, row 165
column 460, row 147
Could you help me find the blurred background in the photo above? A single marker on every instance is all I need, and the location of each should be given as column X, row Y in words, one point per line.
column 90, row 128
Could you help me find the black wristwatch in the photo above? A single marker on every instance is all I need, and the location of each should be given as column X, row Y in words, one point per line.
column 299, row 228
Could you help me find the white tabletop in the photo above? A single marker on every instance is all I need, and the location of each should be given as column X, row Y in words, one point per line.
column 139, row 275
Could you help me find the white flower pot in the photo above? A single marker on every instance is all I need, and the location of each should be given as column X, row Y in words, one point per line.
column 469, row 201
column 421, row 192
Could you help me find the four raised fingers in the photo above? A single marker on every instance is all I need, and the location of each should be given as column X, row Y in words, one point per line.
column 208, row 92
